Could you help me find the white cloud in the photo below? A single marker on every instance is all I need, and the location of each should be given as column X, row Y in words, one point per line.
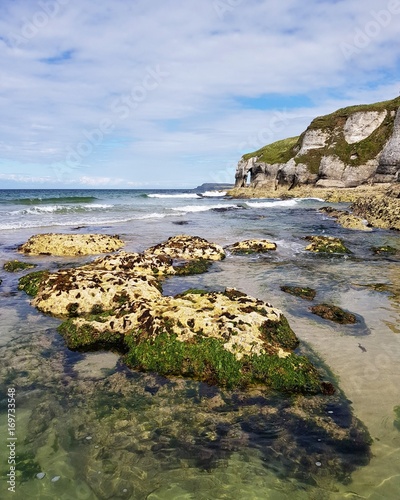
column 169, row 79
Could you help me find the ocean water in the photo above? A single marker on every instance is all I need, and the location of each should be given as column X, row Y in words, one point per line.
column 98, row 430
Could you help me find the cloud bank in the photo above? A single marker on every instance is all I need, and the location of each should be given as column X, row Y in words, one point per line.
column 171, row 94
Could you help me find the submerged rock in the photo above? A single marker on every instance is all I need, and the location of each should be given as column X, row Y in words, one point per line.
column 334, row 313
column 71, row 244
column 14, row 266
column 188, row 248
column 252, row 246
column 302, row 292
column 326, row 244
column 385, row 250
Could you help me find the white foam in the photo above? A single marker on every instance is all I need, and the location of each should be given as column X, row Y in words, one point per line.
column 271, row 204
column 212, row 194
column 182, row 195
column 202, row 208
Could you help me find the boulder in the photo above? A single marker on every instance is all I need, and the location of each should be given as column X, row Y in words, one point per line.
column 326, row 244
column 252, row 246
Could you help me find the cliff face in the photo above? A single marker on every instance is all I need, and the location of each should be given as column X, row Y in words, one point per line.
column 352, row 146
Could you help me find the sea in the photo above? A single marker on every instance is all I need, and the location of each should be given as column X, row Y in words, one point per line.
column 87, row 427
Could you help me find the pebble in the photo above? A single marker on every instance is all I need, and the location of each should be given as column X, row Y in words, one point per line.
column 318, row 464
column 124, row 490
column 55, row 479
column 89, row 438
column 40, row 475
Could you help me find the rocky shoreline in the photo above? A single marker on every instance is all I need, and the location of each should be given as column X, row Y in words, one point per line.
column 378, row 204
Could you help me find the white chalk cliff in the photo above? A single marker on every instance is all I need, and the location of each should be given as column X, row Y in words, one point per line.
column 352, row 146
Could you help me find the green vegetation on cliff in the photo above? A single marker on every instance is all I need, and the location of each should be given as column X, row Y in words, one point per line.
column 277, row 152
column 351, row 154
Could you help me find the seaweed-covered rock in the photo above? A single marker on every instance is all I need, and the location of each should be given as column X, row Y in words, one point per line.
column 71, row 244
column 188, row 248
column 226, row 338
column 71, row 292
column 13, row 266
column 334, row 313
column 30, row 283
column 134, row 262
column 252, row 246
column 303, row 292
column 385, row 250
column 326, row 244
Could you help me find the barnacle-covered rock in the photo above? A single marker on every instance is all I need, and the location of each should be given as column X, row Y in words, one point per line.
column 188, row 248
column 71, row 244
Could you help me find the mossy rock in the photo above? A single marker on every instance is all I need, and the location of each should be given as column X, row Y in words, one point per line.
column 326, row 244
column 279, row 333
column 206, row 360
column 31, row 282
column 334, row 313
column 14, row 266
column 191, row 267
column 305, row 293
column 385, row 250
column 86, row 338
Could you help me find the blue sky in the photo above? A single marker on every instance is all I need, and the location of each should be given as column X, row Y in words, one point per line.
column 167, row 93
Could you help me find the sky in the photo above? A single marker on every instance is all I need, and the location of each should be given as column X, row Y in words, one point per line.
column 164, row 94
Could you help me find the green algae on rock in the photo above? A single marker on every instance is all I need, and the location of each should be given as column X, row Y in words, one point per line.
column 228, row 338
column 30, row 283
column 334, row 313
column 305, row 292
column 191, row 267
column 207, row 360
column 326, row 244
column 187, row 248
column 14, row 266
column 385, row 250
column 71, row 244
column 252, row 246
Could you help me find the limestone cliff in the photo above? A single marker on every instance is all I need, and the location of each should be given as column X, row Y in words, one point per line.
column 352, row 146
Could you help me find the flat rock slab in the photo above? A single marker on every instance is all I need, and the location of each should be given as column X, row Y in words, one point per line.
column 71, row 244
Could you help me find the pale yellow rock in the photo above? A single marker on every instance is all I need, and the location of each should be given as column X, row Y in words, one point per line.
column 71, row 244
column 77, row 291
column 188, row 248
column 134, row 262
column 252, row 246
column 235, row 320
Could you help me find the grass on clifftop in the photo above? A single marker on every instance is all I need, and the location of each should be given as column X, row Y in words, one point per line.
column 277, row 152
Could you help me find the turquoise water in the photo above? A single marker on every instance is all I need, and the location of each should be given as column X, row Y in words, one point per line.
column 98, row 430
